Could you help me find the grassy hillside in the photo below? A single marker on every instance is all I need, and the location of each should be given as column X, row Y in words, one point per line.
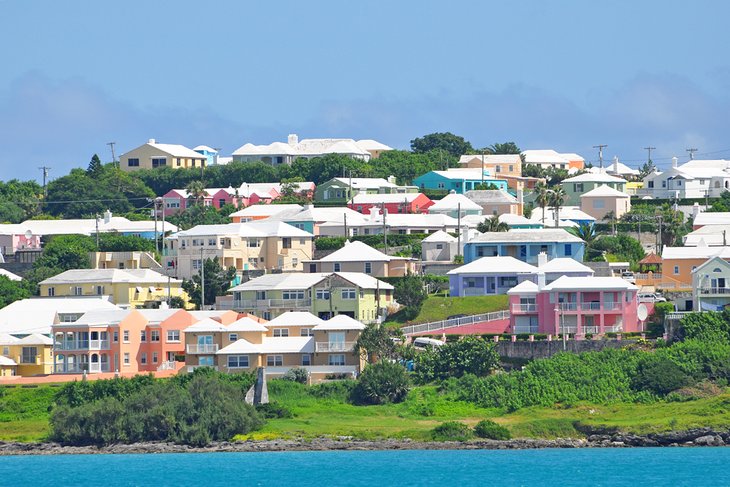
column 24, row 412
column 437, row 308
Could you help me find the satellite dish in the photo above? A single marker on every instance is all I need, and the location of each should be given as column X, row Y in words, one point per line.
column 28, row 234
column 642, row 312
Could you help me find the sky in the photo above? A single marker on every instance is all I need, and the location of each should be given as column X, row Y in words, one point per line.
column 563, row 75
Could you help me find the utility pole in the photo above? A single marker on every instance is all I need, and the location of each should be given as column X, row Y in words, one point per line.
column 691, row 153
column 347, row 237
column 97, row 231
column 202, row 281
column 157, row 239
column 458, row 229
column 600, row 148
column 385, row 233
column 659, row 247
column 649, row 149
column 45, row 170
column 114, row 158
column 482, row 168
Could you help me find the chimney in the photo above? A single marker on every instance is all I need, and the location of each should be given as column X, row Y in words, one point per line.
column 293, row 139
column 674, row 162
column 542, row 259
column 520, row 197
column 309, row 207
column 540, row 281
column 374, row 212
column 695, row 210
column 391, row 179
column 151, row 141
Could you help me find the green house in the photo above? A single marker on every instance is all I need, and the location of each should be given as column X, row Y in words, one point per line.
column 578, row 185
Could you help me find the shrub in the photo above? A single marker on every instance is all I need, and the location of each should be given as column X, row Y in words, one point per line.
column 297, row 374
column 659, row 376
column 451, row 431
column 489, row 429
column 470, row 355
column 381, row 383
column 272, row 410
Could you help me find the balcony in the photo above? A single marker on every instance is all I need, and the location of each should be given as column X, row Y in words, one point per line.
column 592, row 306
column 92, row 368
column 334, row 346
column 82, row 345
column 267, row 303
column 202, row 348
column 524, row 308
column 714, row 290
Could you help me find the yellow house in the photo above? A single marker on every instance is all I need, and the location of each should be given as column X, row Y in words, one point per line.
column 127, row 288
column 31, row 355
column 153, row 155
column 124, row 260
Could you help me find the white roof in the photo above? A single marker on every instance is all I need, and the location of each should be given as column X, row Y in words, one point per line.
column 270, row 345
column 206, row 325
column 312, row 147
column 265, row 210
column 132, row 276
column 10, row 275
column 101, row 317
column 7, row 339
column 564, row 264
column 528, row 235
column 261, row 228
column 37, row 315
column 205, row 148
column 491, row 158
column 698, row 252
column 440, row 236
column 154, row 316
column 566, row 213
column 175, row 150
column 7, row 362
column 356, row 252
column 84, row 226
column 298, row 280
column 247, row 324
column 370, row 144
column 525, row 287
column 453, row 201
column 35, row 339
column 512, row 219
column 594, row 178
column 314, row 214
column 418, row 220
column 495, row 265
column 589, row 283
column 620, row 168
column 709, row 234
column 490, row 196
column 383, row 198
column 603, row 191
column 365, row 183
column 544, row 156
column 295, row 318
column 464, row 174
column 712, row 218
column 340, row 322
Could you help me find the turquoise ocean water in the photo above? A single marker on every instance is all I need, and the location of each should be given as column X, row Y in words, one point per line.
column 584, row 467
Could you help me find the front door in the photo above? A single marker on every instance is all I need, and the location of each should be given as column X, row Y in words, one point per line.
column 336, row 341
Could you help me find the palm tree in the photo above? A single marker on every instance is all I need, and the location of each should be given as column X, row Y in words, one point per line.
column 492, row 224
column 196, row 192
column 542, row 197
column 557, row 198
column 585, row 232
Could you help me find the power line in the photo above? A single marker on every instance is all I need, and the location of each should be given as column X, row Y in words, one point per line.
column 649, row 149
column 600, row 152
column 691, row 153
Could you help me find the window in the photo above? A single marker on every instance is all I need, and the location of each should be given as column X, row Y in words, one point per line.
column 322, row 293
column 260, row 295
column 439, row 246
column 664, row 184
column 238, row 361
column 143, row 358
column 28, row 355
column 6, row 351
column 306, row 332
column 115, row 337
column 274, row 360
column 568, row 249
column 99, row 290
column 651, row 184
column 497, row 168
column 173, row 335
column 155, row 335
column 294, row 261
column 281, row 332
column 286, row 243
column 336, row 267
column 232, row 337
column 143, row 336
column 197, row 264
column 212, row 242
column 159, row 161
column 368, row 268
column 440, row 186
column 125, row 335
column 299, row 294
column 349, row 293
column 133, row 162
column 306, row 359
column 78, row 291
column 679, row 183
column 599, row 204
column 126, row 358
column 511, row 168
column 252, row 242
column 155, row 357
column 577, row 187
column 51, row 291
column 336, row 359
column 676, row 269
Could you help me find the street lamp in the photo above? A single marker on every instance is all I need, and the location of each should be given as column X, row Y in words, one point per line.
column 561, row 324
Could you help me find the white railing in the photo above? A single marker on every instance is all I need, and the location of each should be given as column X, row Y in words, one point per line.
column 590, row 306
column 266, row 303
column 454, row 322
column 568, row 306
column 82, row 345
column 98, row 367
column 167, row 365
column 204, row 348
column 524, row 308
column 714, row 290
column 333, row 346
column 315, row 369
column 98, row 344
column 525, row 329
column 93, row 368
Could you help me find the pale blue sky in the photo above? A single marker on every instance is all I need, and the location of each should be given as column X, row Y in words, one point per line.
column 547, row 74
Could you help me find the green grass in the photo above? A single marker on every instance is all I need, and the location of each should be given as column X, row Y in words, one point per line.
column 437, row 308
column 24, row 412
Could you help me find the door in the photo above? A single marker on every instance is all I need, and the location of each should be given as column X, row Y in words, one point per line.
column 205, row 343
column 336, row 341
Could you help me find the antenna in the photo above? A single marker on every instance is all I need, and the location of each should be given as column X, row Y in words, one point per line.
column 691, row 153
column 600, row 148
column 111, row 145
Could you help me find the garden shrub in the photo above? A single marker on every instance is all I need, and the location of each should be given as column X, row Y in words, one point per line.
column 297, row 374
column 451, row 431
column 380, row 383
column 487, row 428
column 659, row 376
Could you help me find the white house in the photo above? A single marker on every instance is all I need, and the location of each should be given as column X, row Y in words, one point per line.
column 694, row 179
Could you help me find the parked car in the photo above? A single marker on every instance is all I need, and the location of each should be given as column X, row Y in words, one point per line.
column 629, row 276
column 424, row 343
column 651, row 298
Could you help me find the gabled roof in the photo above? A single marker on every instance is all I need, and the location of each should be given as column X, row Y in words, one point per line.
column 298, row 280
column 246, row 324
column 573, row 213
column 102, row 317
column 528, row 235
column 7, row 339
column 10, row 275
column 268, row 227
column 7, row 362
column 35, row 339
column 698, row 252
column 712, row 263
column 490, row 196
column 440, row 236
column 365, row 183
column 454, row 201
column 592, row 283
column 356, row 252
column 652, row 258
column 270, row 345
column 158, row 315
column 594, row 178
column 206, row 325
column 384, row 198
column 37, row 315
column 564, row 264
column 512, row 219
column 205, row 148
column 370, row 144
column 340, row 322
column 495, row 265
column 525, row 287
column 491, row 158
column 241, row 345
column 295, row 318
column 265, row 210
column 712, row 218
column 471, row 174
column 112, row 276
column 603, row 191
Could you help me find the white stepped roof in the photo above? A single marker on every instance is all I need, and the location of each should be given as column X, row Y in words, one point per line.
column 113, row 276
column 495, row 265
column 453, row 201
column 525, row 287
column 370, row 144
column 265, row 210
column 601, row 177
column 440, row 236
column 270, row 345
column 246, row 324
column 340, row 322
column 564, row 264
column 590, row 283
column 602, row 191
column 295, row 318
column 701, row 251
column 7, row 362
column 261, row 228
column 528, row 235
column 383, row 198
column 356, row 252
column 35, row 339
column 298, row 280
column 712, row 218
column 206, row 325
column 37, row 315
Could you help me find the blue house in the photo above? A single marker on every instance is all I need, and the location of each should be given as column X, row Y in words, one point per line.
column 488, row 276
column 458, row 180
column 525, row 245
column 211, row 155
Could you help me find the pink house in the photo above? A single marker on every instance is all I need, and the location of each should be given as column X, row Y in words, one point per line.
column 392, row 202
column 575, row 305
column 17, row 237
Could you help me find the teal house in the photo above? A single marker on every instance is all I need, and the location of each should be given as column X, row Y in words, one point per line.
column 458, row 180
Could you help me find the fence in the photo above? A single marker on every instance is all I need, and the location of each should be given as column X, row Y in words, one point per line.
column 465, row 320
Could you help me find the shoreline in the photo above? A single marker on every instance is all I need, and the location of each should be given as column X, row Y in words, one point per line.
column 689, row 438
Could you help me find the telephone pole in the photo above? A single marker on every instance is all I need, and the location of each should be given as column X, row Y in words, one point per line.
column 114, row 158
column 600, row 148
column 649, row 149
column 45, row 170
column 691, row 153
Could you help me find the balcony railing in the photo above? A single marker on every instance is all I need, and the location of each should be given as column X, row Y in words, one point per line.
column 714, row 290
column 568, row 306
column 202, row 348
column 82, row 345
column 167, row 365
column 334, row 346
column 266, row 303
column 524, row 308
column 93, row 368
column 593, row 306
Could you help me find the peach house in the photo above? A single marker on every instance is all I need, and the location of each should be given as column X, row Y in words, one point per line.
column 393, row 203
column 603, row 200
column 574, row 305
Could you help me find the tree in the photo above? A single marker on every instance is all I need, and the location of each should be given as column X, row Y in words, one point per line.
column 542, row 197
column 610, row 217
column 503, row 148
column 201, row 215
column 646, row 169
column 11, row 291
column 557, row 198
column 375, row 341
column 217, row 282
column 470, row 355
column 492, row 224
column 95, row 166
column 64, row 252
column 381, row 383
column 196, row 192
column 585, row 232
column 409, row 293
column 452, row 144
column 486, row 186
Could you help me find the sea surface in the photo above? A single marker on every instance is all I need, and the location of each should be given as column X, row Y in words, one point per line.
column 552, row 467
